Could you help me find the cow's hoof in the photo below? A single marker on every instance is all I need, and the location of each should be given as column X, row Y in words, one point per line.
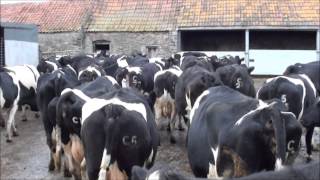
column 181, row 128
column 24, row 119
column 14, row 133
column 66, row 173
column 309, row 158
column 9, row 140
column 51, row 167
column 172, row 139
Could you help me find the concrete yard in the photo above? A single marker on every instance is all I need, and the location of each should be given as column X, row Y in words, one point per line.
column 27, row 156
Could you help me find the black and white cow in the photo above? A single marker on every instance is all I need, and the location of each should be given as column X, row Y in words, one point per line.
column 90, row 73
column 190, row 61
column 69, row 111
column 310, row 69
column 233, row 135
column 224, row 61
column 142, row 78
column 297, row 92
column 86, row 68
column 118, row 131
column 297, row 172
column 49, row 88
column 48, row 65
column 238, row 77
column 311, row 117
column 192, row 82
column 164, row 89
column 17, row 88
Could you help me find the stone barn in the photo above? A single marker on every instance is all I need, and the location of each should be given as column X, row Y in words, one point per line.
column 269, row 34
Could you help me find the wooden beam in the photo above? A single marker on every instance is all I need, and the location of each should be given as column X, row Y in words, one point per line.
column 264, row 28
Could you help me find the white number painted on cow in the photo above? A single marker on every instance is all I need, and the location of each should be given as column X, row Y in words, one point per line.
column 284, row 98
column 238, row 83
column 126, row 140
column 290, row 146
column 76, row 120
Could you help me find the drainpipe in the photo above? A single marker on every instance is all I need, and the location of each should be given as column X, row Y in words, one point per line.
column 85, row 22
column 247, row 47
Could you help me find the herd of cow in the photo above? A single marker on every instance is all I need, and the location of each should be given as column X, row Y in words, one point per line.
column 102, row 114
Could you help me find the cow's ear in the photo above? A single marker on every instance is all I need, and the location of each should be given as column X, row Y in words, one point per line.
column 250, row 69
column 289, row 70
column 230, row 164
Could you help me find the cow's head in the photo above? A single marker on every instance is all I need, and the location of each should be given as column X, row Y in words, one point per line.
column 267, row 134
column 47, row 66
column 200, row 83
column 134, row 78
column 121, row 74
column 293, row 69
column 90, row 73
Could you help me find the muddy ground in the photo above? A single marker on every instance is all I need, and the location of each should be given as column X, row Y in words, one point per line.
column 27, row 156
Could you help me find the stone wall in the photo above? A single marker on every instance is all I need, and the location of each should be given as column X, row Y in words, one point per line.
column 120, row 42
column 127, row 42
column 61, row 43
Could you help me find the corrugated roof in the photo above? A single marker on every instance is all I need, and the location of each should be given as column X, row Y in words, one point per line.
column 163, row 15
column 53, row 16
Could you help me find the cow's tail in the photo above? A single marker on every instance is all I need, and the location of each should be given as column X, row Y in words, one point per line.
column 1, row 99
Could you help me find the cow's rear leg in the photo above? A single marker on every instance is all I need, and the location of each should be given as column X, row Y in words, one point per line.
column 14, row 129
column 51, row 163
column 2, row 121
column 24, row 112
column 172, row 125
column 308, row 143
column 11, row 122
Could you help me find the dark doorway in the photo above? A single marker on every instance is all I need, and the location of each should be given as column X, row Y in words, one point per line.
column 101, row 45
column 283, row 40
column 213, row 40
column 2, row 61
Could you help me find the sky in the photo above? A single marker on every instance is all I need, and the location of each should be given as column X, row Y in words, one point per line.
column 18, row 1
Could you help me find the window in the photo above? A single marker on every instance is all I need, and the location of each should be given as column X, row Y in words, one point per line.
column 152, row 50
column 101, row 45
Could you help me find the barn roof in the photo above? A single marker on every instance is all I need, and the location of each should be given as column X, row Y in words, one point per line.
column 134, row 15
column 252, row 13
column 163, row 15
column 53, row 16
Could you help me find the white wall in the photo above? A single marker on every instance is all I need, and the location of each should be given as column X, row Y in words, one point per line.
column 21, row 52
column 274, row 62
